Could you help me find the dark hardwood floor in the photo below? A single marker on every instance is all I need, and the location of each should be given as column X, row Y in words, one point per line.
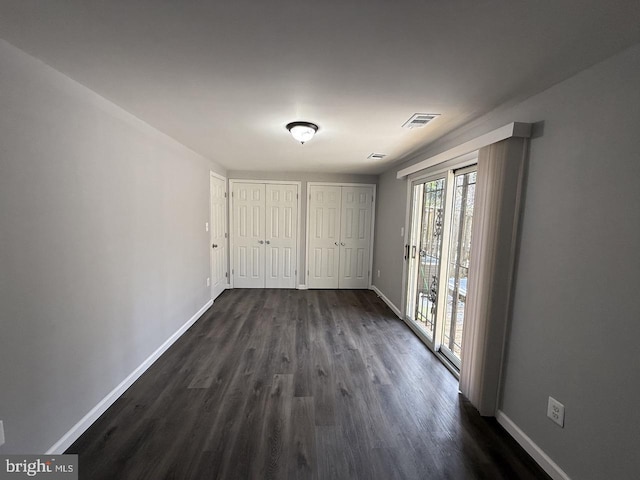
column 316, row 384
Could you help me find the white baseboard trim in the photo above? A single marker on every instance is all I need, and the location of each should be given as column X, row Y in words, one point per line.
column 395, row 309
column 302, row 287
column 541, row 458
column 79, row 428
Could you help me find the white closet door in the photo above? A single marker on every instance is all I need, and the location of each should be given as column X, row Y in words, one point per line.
column 218, row 238
column 281, row 235
column 355, row 236
column 248, row 235
column 324, row 236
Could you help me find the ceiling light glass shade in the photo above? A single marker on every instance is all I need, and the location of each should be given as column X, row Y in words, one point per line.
column 302, row 131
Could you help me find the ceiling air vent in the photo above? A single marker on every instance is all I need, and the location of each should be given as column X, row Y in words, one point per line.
column 377, row 156
column 419, row 120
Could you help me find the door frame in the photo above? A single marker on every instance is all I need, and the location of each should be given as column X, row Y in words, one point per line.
column 226, row 231
column 373, row 224
column 457, row 163
column 234, row 181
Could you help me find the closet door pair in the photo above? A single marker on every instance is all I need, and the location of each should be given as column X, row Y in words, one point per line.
column 339, row 242
column 265, row 235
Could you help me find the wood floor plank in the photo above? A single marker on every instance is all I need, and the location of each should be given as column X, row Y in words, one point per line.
column 318, row 384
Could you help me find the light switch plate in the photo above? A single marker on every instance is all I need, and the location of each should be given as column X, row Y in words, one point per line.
column 1, row 433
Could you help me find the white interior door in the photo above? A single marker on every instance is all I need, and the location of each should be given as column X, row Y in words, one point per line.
column 323, row 256
column 218, row 230
column 249, row 235
column 355, row 236
column 281, row 240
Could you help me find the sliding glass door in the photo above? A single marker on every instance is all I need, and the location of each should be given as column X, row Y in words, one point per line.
column 438, row 258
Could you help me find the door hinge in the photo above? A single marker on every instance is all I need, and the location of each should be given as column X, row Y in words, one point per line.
column 232, row 271
column 225, row 194
column 295, row 272
column 226, row 274
column 225, row 234
column 297, row 196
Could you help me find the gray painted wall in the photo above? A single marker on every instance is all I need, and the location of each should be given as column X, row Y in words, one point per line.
column 103, row 252
column 303, row 177
column 575, row 326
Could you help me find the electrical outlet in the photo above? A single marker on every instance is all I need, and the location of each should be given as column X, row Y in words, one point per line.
column 1, row 433
column 555, row 411
column 378, row 273
column 206, row 226
column 208, row 281
column 402, row 232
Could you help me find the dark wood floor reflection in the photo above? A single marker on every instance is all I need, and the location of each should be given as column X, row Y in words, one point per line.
column 316, row 384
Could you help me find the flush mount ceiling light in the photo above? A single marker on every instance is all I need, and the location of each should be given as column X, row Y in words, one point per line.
column 302, row 131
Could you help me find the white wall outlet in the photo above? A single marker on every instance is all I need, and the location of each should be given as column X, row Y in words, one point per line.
column 378, row 273
column 206, row 226
column 402, row 232
column 208, row 281
column 1, row 433
column 555, row 411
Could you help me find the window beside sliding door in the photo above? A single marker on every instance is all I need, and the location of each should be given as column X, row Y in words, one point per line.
column 438, row 256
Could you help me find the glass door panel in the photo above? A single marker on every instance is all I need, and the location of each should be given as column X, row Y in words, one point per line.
column 438, row 255
column 425, row 253
column 458, row 268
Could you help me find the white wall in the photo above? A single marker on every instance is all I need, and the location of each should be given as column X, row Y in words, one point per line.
column 103, row 253
column 304, row 178
column 576, row 316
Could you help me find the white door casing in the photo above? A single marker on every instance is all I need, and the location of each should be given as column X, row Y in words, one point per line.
column 218, row 238
column 355, row 236
column 248, row 235
column 323, row 255
column 281, row 236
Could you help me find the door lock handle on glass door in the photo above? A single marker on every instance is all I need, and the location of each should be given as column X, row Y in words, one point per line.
column 260, row 242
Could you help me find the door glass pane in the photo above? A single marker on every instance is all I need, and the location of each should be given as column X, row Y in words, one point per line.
column 459, row 253
column 429, row 253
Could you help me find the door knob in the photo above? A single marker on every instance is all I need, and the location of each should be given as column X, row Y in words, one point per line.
column 336, row 243
column 267, row 242
column 214, row 246
column 342, row 243
column 260, row 242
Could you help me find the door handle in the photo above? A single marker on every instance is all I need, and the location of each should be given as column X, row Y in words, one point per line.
column 260, row 242
column 406, row 253
column 413, row 252
column 214, row 246
column 267, row 242
column 341, row 243
column 336, row 244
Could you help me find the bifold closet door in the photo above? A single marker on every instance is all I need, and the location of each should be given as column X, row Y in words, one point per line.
column 324, row 236
column 281, row 240
column 355, row 236
column 339, row 236
column 249, row 235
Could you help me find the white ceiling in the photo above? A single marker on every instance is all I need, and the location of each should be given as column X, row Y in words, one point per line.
column 225, row 77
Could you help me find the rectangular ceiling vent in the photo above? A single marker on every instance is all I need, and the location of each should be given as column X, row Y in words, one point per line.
column 419, row 120
column 377, row 156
